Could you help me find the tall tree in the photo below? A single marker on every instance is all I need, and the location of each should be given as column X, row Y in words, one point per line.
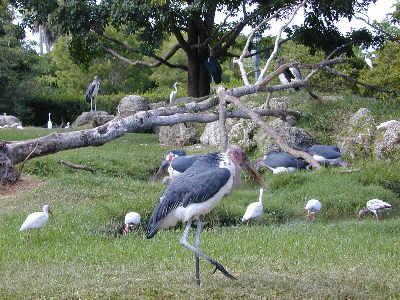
column 194, row 24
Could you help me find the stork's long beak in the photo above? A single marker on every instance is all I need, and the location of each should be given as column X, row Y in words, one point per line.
column 163, row 169
column 254, row 173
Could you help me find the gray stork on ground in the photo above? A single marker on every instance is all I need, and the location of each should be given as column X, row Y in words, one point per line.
column 327, row 154
column 167, row 161
column 289, row 75
column 280, row 162
column 179, row 165
column 91, row 92
column 374, row 206
column 196, row 192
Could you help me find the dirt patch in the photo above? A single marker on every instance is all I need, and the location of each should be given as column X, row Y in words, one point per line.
column 23, row 185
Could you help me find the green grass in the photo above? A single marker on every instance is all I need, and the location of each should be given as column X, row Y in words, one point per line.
column 80, row 254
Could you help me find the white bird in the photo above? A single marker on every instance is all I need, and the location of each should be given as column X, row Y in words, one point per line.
column 67, row 125
column 37, row 219
column 20, row 126
column 49, row 123
column 374, row 206
column 172, row 96
column 313, row 206
column 132, row 219
column 255, row 209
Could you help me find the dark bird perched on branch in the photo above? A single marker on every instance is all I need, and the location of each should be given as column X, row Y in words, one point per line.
column 91, row 92
column 214, row 69
column 196, row 192
column 289, row 74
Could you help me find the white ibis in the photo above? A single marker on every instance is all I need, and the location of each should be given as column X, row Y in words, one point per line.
column 327, row 154
column 91, row 92
column 196, row 192
column 313, row 206
column 172, row 95
column 255, row 209
column 37, row 219
column 374, row 206
column 167, row 161
column 280, row 162
column 49, row 123
column 289, row 75
column 132, row 219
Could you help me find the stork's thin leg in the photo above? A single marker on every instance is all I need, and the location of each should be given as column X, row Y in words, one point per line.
column 95, row 105
column 91, row 103
column 376, row 216
column 197, row 245
column 185, row 243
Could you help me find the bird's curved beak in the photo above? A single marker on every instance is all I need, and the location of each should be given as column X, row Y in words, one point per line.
column 161, row 170
column 51, row 213
column 254, row 173
column 126, row 229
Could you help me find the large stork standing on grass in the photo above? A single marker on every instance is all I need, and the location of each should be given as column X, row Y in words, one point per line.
column 91, row 92
column 196, row 192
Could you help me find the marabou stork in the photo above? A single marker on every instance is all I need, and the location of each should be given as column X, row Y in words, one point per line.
column 91, row 92
column 196, row 192
column 374, row 206
column 167, row 161
column 214, row 69
column 172, row 96
column 327, row 154
column 37, row 219
column 132, row 219
column 289, row 74
column 180, row 164
column 313, row 206
column 280, row 162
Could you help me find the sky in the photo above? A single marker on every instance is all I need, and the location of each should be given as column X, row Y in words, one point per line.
column 376, row 12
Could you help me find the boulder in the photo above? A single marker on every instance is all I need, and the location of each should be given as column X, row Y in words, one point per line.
column 359, row 135
column 182, row 134
column 388, row 142
column 211, row 135
column 131, row 104
column 92, row 118
column 295, row 137
column 9, row 121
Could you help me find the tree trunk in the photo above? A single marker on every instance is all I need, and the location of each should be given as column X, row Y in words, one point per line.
column 198, row 77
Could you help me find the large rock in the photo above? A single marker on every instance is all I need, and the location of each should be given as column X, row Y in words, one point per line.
column 182, row 134
column 295, row 137
column 211, row 135
column 358, row 138
column 131, row 104
column 93, row 118
column 9, row 121
column 388, row 142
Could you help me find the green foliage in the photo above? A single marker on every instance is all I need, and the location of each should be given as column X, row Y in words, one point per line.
column 385, row 72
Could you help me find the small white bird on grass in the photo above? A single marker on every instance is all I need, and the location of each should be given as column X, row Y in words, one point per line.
column 132, row 219
column 254, row 210
column 37, row 219
column 49, row 123
column 374, row 206
column 313, row 206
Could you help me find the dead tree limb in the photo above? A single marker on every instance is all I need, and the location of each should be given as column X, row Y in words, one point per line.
column 271, row 132
column 68, row 164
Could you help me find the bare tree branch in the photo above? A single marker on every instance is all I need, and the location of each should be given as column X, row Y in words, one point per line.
column 268, row 129
column 68, row 164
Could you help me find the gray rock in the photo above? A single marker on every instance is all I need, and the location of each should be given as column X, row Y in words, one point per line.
column 8, row 120
column 359, row 135
column 388, row 142
column 92, row 118
column 182, row 134
column 131, row 104
column 211, row 135
column 295, row 137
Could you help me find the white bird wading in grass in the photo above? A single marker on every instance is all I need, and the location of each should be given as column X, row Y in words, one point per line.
column 254, row 210
column 313, row 206
column 37, row 219
column 132, row 219
column 196, row 192
column 374, row 206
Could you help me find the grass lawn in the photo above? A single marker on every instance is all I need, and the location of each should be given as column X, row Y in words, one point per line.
column 80, row 254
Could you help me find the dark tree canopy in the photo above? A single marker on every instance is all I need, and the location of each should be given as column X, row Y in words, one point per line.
column 192, row 22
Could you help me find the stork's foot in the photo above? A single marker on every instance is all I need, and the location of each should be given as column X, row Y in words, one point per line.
column 221, row 268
